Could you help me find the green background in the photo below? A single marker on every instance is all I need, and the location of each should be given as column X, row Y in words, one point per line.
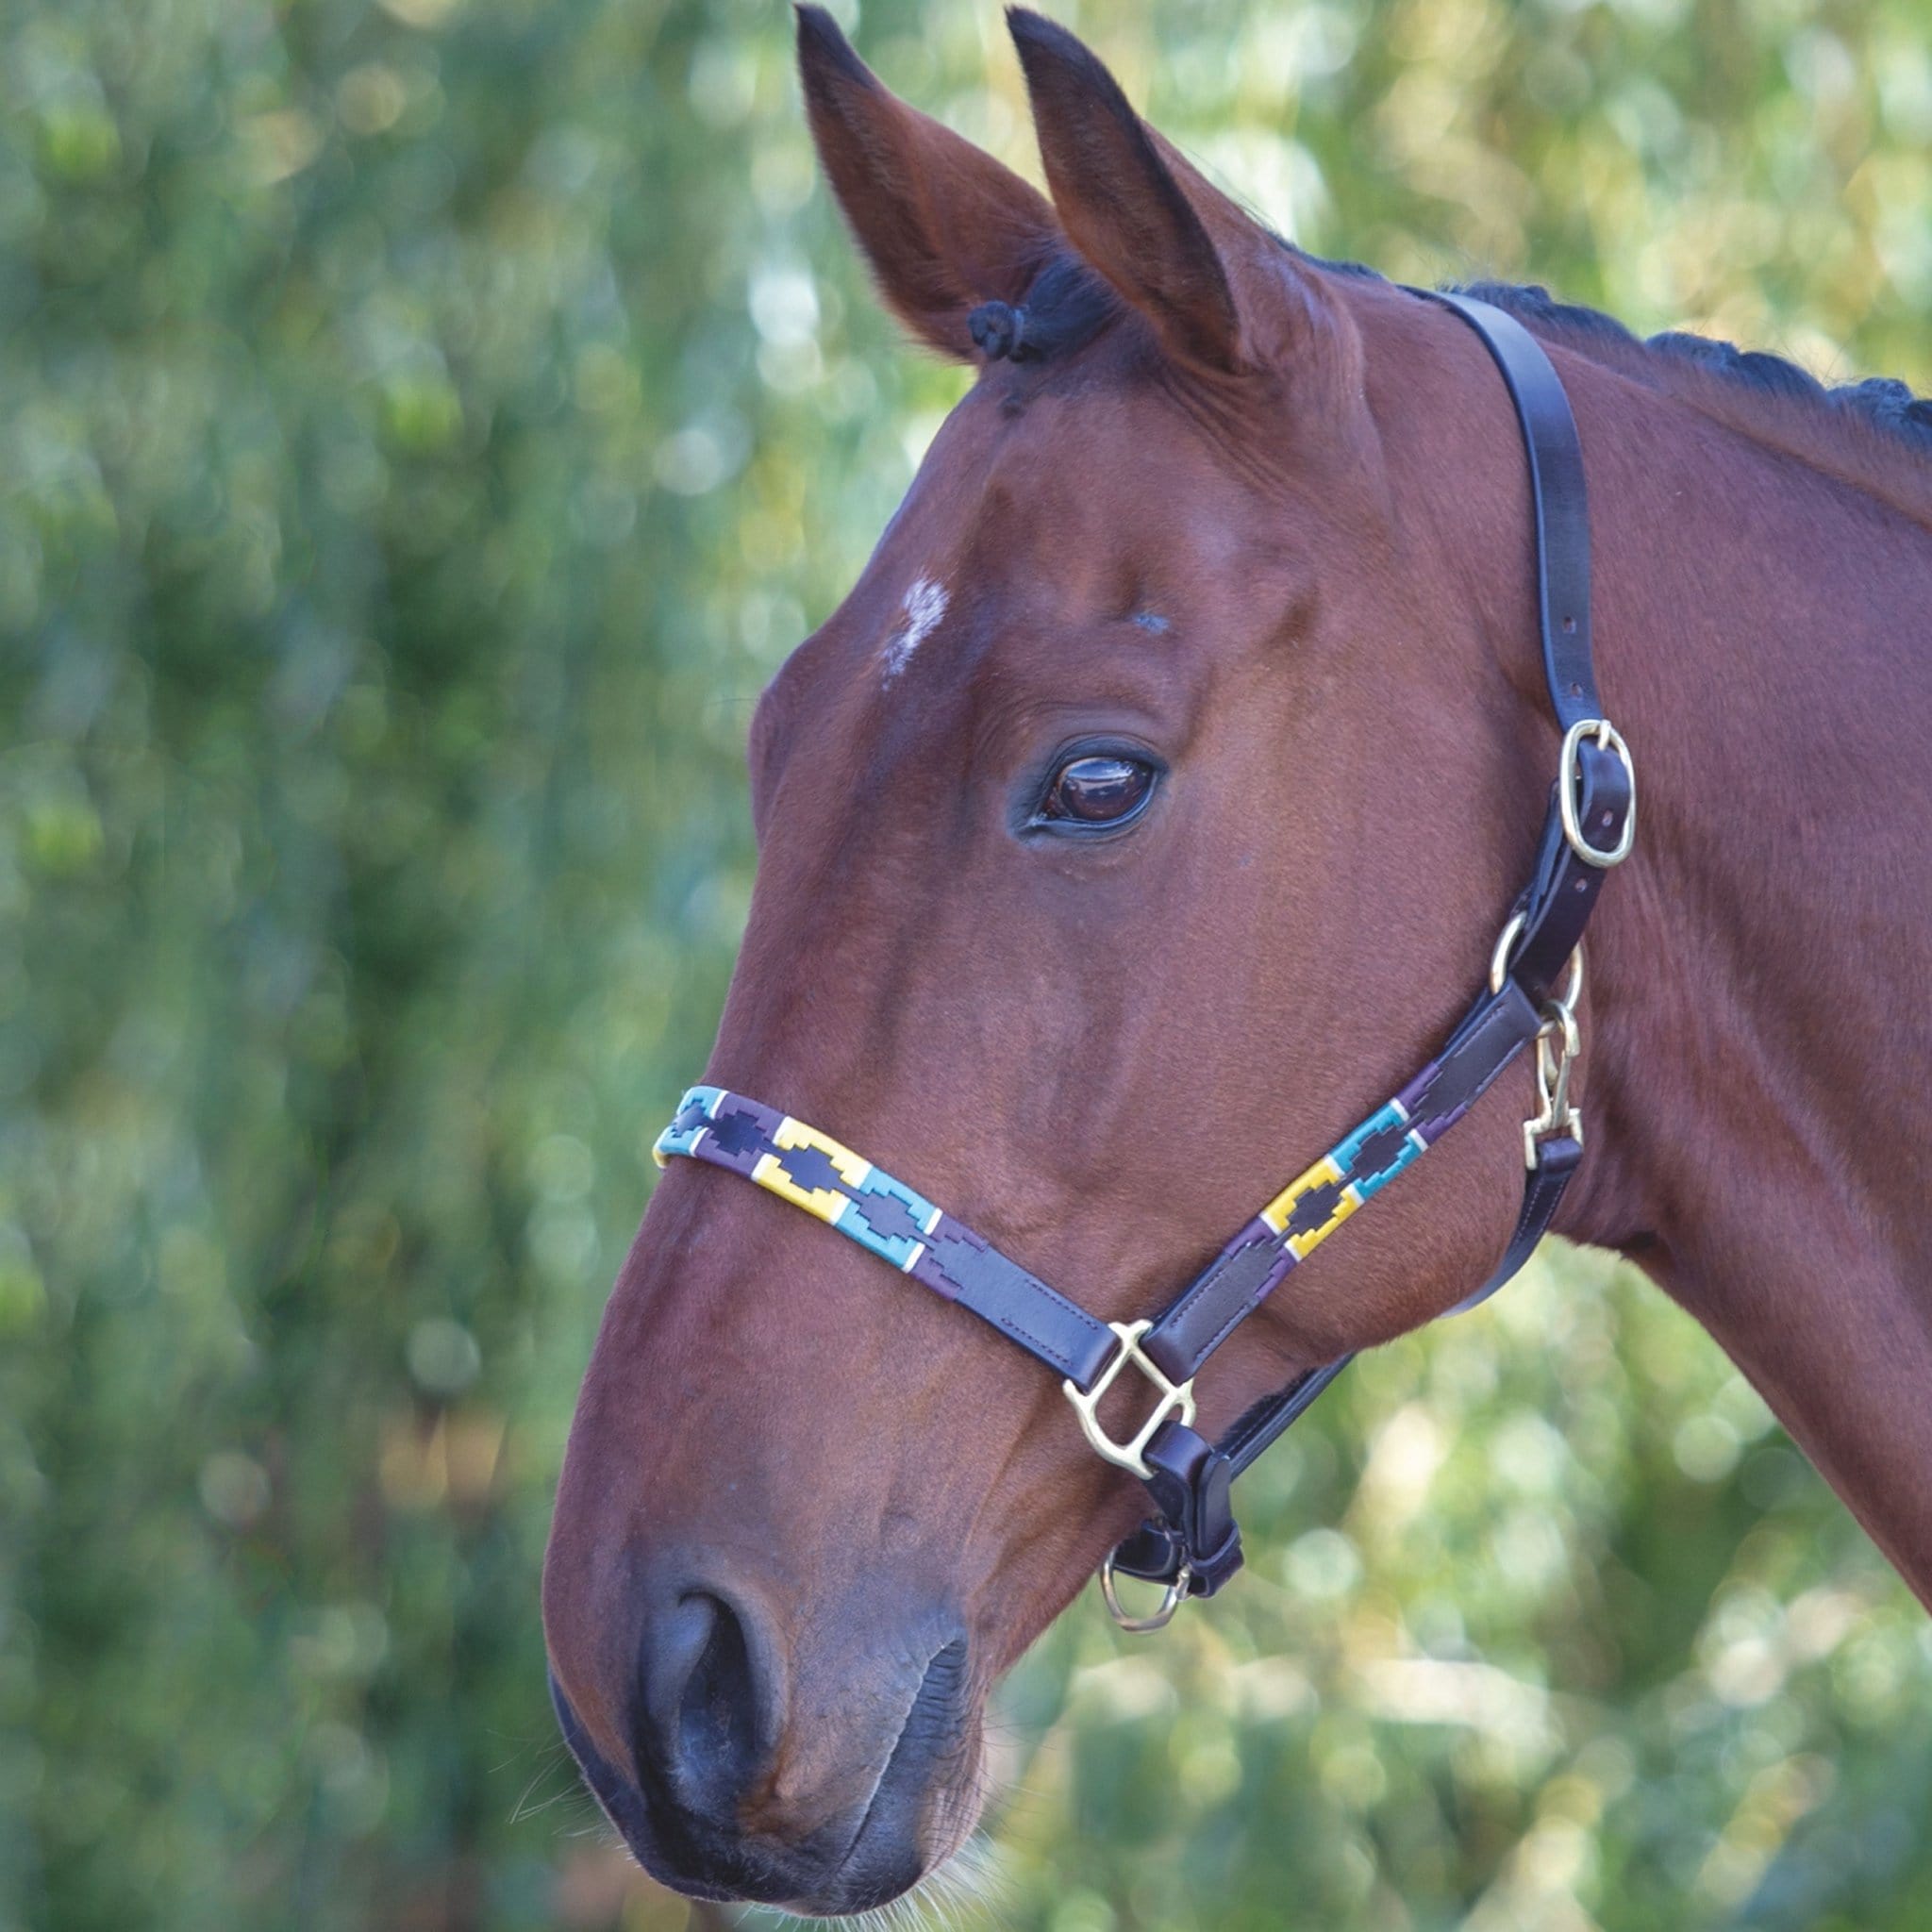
column 425, row 427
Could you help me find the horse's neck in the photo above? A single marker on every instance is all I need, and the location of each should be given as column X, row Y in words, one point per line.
column 1760, row 1008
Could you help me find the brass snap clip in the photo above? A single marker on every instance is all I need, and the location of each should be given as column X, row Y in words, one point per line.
column 1558, row 1046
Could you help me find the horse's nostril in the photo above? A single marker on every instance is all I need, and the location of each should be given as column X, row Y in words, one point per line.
column 703, row 1718
column 717, row 1717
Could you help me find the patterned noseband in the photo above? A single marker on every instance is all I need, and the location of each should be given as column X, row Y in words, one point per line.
column 1190, row 1544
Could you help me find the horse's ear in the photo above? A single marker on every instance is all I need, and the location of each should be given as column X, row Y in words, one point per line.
column 945, row 225
column 1220, row 291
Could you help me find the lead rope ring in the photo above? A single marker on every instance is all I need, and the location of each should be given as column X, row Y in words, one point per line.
column 1172, row 1598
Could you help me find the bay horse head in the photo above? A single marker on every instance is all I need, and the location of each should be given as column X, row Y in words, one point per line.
column 1143, row 815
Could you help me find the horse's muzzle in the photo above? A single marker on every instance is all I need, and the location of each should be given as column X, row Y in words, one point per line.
column 707, row 1806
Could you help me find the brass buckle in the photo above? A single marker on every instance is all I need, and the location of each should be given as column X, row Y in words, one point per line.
column 1172, row 1598
column 1176, row 1399
column 1610, row 739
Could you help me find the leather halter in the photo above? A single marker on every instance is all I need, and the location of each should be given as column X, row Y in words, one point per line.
column 1190, row 1544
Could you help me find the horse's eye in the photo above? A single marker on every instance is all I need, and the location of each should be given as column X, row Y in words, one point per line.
column 1098, row 790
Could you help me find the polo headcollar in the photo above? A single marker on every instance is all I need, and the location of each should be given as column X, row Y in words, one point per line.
column 1191, row 1544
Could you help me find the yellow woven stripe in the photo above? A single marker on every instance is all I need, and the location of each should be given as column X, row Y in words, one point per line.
column 1299, row 1244
column 1278, row 1211
column 827, row 1203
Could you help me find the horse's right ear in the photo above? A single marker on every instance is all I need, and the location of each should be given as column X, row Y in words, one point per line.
column 943, row 225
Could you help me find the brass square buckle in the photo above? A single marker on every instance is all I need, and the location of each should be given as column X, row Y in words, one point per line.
column 1176, row 1399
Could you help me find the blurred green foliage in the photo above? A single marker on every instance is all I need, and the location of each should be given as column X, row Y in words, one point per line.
column 427, row 425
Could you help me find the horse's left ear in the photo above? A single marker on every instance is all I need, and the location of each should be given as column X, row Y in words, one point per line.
column 944, row 224
column 1220, row 290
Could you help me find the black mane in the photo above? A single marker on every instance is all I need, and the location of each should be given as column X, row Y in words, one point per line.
column 1882, row 401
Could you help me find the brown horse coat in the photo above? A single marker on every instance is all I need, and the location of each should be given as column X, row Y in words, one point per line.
column 1261, row 523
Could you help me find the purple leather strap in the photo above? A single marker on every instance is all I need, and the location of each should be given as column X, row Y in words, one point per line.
column 807, row 1168
column 1560, row 502
column 1246, row 1272
column 968, row 1270
column 1557, row 1159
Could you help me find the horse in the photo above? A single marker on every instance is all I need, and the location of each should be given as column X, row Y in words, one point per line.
column 1147, row 812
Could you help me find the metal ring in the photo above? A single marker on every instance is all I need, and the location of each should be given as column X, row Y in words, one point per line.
column 1172, row 1599
column 1560, row 1020
column 1609, row 739
column 1499, row 962
column 1499, row 959
column 1568, row 998
column 1565, row 1003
